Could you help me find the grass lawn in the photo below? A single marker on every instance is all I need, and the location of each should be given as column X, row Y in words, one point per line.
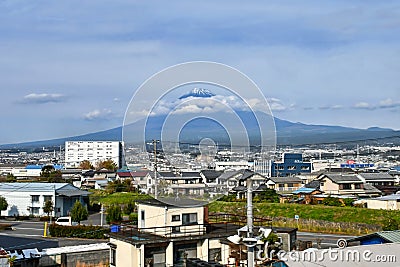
column 310, row 212
column 116, row 198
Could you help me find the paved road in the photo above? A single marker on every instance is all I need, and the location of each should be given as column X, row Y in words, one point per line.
column 29, row 234
column 327, row 240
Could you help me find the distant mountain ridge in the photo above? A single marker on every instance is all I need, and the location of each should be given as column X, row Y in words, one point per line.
column 288, row 133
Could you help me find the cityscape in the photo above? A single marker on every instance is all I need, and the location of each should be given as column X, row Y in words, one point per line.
column 149, row 134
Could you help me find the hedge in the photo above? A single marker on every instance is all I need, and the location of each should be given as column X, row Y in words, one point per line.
column 79, row 231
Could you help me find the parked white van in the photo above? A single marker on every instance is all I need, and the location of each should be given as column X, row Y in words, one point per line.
column 65, row 221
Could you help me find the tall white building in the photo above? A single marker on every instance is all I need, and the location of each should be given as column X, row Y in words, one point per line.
column 93, row 151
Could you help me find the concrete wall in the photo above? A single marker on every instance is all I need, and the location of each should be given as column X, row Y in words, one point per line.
column 159, row 216
column 77, row 259
column 382, row 204
column 128, row 254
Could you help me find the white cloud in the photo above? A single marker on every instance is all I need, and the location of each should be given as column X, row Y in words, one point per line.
column 389, row 103
column 97, row 114
column 332, row 107
column 43, row 98
column 363, row 105
column 277, row 105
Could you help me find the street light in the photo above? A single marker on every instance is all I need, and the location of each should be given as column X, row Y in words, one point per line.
column 249, row 240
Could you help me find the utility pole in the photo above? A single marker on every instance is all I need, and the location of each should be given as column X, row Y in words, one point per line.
column 250, row 249
column 155, row 167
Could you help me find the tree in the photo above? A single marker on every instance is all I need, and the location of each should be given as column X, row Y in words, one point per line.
column 114, row 214
column 3, row 203
column 48, row 207
column 47, row 170
column 86, row 165
column 268, row 195
column 108, row 164
column 79, row 212
column 10, row 178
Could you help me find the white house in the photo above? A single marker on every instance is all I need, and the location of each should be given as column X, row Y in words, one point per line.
column 26, row 199
column 166, row 234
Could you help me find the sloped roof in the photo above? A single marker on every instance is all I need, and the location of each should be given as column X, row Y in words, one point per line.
column 227, row 174
column 376, row 176
column 124, row 174
column 313, row 184
column 211, row 174
column 389, row 236
column 139, row 173
column 388, row 197
column 289, row 179
column 304, row 190
column 191, row 174
column 64, row 189
column 370, row 189
column 343, row 178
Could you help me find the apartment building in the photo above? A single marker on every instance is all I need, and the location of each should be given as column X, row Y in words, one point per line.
column 93, row 151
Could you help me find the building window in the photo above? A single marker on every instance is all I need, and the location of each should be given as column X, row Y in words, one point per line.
column 214, row 254
column 113, row 255
column 35, row 198
column 305, row 168
column 35, row 211
column 346, row 186
column 189, row 218
column 291, row 168
column 47, row 198
column 176, row 218
column 357, row 186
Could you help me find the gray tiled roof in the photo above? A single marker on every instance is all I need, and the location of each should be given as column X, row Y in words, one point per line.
column 343, row 178
column 285, row 179
column 377, row 176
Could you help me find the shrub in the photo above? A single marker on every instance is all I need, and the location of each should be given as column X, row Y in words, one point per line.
column 114, row 214
column 332, row 201
column 79, row 231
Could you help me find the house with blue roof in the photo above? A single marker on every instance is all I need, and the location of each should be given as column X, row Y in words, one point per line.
column 27, row 199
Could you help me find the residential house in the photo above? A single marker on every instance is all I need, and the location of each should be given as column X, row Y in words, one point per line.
column 305, row 195
column 124, row 175
column 181, row 183
column 236, row 183
column 139, row 179
column 169, row 231
column 166, row 234
column 346, row 184
column 284, row 184
column 26, row 199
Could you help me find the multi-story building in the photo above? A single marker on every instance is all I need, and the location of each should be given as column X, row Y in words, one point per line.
column 291, row 164
column 93, row 151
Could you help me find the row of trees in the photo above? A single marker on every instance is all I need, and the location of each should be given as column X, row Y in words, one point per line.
column 103, row 164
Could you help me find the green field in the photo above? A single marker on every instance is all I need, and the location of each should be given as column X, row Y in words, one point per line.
column 116, row 198
column 349, row 220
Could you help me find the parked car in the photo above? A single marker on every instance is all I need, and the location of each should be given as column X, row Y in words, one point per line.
column 65, row 221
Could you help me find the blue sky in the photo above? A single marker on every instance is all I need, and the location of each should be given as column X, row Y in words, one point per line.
column 71, row 67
